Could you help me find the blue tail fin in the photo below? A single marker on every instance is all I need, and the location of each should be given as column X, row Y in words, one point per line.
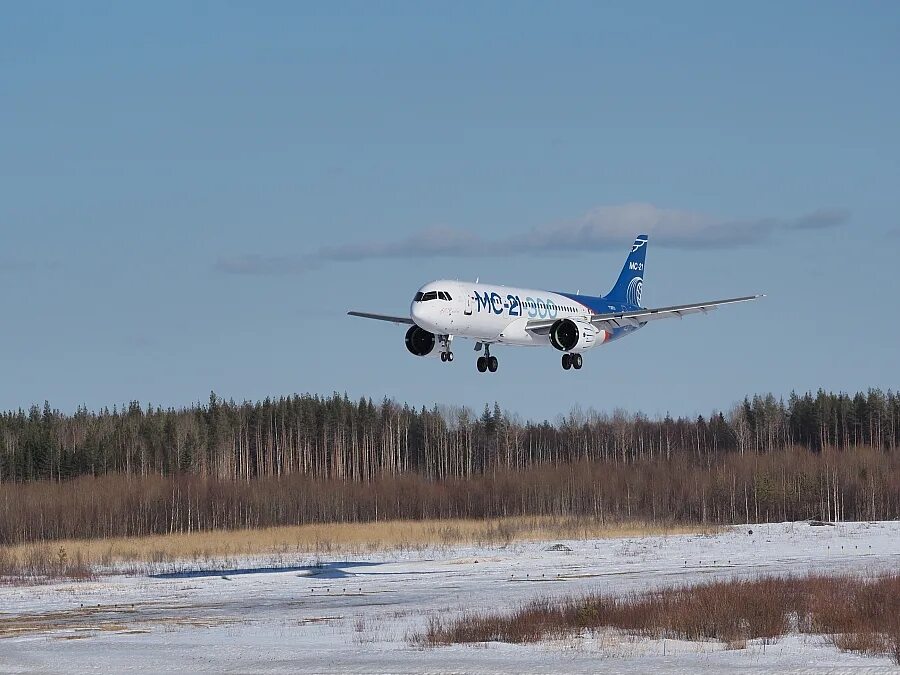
column 631, row 281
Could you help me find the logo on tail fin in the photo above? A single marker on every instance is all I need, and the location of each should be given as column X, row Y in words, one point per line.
column 630, row 284
column 635, row 288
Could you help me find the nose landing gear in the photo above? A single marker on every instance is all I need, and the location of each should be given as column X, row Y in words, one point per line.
column 446, row 354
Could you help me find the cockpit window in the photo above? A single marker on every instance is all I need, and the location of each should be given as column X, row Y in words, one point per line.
column 431, row 295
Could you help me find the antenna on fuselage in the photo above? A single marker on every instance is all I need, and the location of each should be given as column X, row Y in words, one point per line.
column 476, row 279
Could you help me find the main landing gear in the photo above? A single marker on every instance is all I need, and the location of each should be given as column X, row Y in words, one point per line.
column 487, row 362
column 571, row 361
column 446, row 357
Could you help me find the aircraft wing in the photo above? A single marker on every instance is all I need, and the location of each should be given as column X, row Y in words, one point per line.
column 383, row 317
column 639, row 317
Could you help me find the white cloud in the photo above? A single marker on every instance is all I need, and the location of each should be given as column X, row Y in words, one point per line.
column 602, row 228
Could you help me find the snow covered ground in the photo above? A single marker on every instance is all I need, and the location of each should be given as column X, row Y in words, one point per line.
column 355, row 614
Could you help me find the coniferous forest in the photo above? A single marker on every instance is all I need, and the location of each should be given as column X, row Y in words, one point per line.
column 141, row 470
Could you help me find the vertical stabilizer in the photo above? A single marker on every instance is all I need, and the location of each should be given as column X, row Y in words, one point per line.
column 630, row 285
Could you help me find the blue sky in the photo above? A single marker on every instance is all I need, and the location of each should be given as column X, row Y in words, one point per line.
column 191, row 197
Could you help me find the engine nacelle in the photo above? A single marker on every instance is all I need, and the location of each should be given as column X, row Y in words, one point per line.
column 420, row 342
column 569, row 335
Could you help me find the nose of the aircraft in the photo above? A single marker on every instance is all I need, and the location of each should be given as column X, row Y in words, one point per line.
column 416, row 312
column 419, row 311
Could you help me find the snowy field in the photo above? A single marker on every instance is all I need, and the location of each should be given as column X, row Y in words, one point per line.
column 355, row 614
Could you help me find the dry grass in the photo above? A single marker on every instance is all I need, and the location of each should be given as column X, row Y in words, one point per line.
column 860, row 615
column 325, row 538
column 43, row 561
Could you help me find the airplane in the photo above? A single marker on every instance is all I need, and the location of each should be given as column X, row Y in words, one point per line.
column 500, row 315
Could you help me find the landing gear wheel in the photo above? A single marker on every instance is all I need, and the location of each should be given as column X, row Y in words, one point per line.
column 576, row 361
column 449, row 356
column 482, row 364
column 492, row 364
column 444, row 356
column 566, row 361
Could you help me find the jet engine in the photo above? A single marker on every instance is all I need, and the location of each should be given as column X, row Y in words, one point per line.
column 569, row 335
column 420, row 342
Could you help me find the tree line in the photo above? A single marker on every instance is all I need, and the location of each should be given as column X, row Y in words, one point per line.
column 336, row 438
column 789, row 484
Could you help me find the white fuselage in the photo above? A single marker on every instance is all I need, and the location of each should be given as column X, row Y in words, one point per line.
column 491, row 313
